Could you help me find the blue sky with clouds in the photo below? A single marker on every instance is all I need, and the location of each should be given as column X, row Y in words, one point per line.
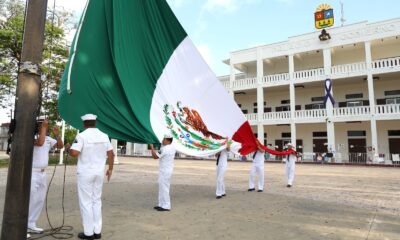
column 218, row 27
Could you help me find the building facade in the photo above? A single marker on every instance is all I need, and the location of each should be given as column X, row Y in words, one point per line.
column 280, row 88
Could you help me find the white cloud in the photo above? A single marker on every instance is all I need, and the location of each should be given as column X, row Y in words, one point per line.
column 176, row 3
column 227, row 5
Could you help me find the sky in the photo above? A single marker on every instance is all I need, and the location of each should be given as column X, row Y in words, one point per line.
column 218, row 27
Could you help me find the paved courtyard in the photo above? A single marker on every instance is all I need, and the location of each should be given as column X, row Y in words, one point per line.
column 326, row 202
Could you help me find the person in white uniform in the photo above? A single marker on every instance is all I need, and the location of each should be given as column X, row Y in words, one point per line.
column 257, row 169
column 166, row 166
column 222, row 164
column 42, row 146
column 290, row 165
column 92, row 147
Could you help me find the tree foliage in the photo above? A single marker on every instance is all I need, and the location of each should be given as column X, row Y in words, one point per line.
column 55, row 54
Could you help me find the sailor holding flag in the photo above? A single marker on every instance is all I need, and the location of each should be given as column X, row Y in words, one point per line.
column 222, row 164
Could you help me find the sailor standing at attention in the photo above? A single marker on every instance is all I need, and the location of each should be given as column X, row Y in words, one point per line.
column 290, row 165
column 257, row 168
column 222, row 164
column 166, row 167
column 92, row 147
column 42, row 146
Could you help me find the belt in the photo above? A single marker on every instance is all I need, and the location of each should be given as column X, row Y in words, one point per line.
column 38, row 169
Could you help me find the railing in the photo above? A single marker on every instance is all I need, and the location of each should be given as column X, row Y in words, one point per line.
column 387, row 109
column 226, row 84
column 314, row 113
column 309, row 74
column 347, row 69
column 251, row 117
column 276, row 115
column 243, row 83
column 276, row 78
column 387, row 63
column 351, row 111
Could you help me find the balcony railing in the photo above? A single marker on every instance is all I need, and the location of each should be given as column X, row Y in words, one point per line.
column 311, row 74
column 276, row 115
column 251, row 117
column 349, row 69
column 386, row 64
column 245, row 83
column 313, row 113
column 276, row 78
column 351, row 111
column 387, row 109
column 226, row 84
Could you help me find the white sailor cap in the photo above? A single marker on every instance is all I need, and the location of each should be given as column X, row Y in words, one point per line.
column 167, row 135
column 41, row 118
column 88, row 117
column 289, row 144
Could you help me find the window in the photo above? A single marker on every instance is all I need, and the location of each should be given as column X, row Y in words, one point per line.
column 354, row 95
column 394, row 133
column 285, row 102
column 354, row 103
column 244, row 111
column 392, row 92
column 285, row 108
column 320, row 134
column 393, row 101
column 318, row 106
column 255, row 104
column 356, row 133
column 239, row 105
column 286, row 135
column 317, row 99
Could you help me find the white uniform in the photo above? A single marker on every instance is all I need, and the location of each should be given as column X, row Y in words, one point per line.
column 93, row 146
column 166, row 158
column 40, row 161
column 257, row 168
column 290, row 167
column 222, row 164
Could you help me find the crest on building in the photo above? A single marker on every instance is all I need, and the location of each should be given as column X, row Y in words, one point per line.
column 324, row 16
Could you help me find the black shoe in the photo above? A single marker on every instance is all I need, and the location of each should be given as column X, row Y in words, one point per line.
column 97, row 236
column 288, row 185
column 157, row 207
column 224, row 195
column 83, row 236
column 260, row 190
column 162, row 209
column 219, row 197
column 251, row 189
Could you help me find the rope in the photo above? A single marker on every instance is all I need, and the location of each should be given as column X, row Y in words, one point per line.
column 63, row 231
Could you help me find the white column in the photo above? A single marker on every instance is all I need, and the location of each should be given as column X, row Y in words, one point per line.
column 292, row 97
column 128, row 148
column 330, row 126
column 232, row 77
column 371, row 98
column 61, row 161
column 260, row 97
column 114, row 143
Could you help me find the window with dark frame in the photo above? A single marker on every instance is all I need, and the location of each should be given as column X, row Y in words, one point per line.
column 320, row 134
column 317, row 99
column 286, row 135
column 392, row 92
column 354, row 96
column 356, row 133
column 394, row 133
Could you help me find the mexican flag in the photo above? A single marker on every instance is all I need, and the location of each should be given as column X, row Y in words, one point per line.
column 134, row 66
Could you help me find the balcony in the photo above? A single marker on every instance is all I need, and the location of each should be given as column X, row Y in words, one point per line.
column 339, row 71
column 345, row 114
column 386, row 65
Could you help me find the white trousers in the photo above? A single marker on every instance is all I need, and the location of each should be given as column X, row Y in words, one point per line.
column 164, row 182
column 37, row 197
column 259, row 171
column 221, row 169
column 90, row 187
column 290, row 167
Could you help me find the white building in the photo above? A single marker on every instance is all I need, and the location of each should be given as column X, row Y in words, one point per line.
column 280, row 87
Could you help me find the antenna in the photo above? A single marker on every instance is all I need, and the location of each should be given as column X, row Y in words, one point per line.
column 342, row 19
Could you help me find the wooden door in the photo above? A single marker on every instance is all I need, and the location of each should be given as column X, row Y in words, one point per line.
column 319, row 147
column 394, row 146
column 357, row 150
